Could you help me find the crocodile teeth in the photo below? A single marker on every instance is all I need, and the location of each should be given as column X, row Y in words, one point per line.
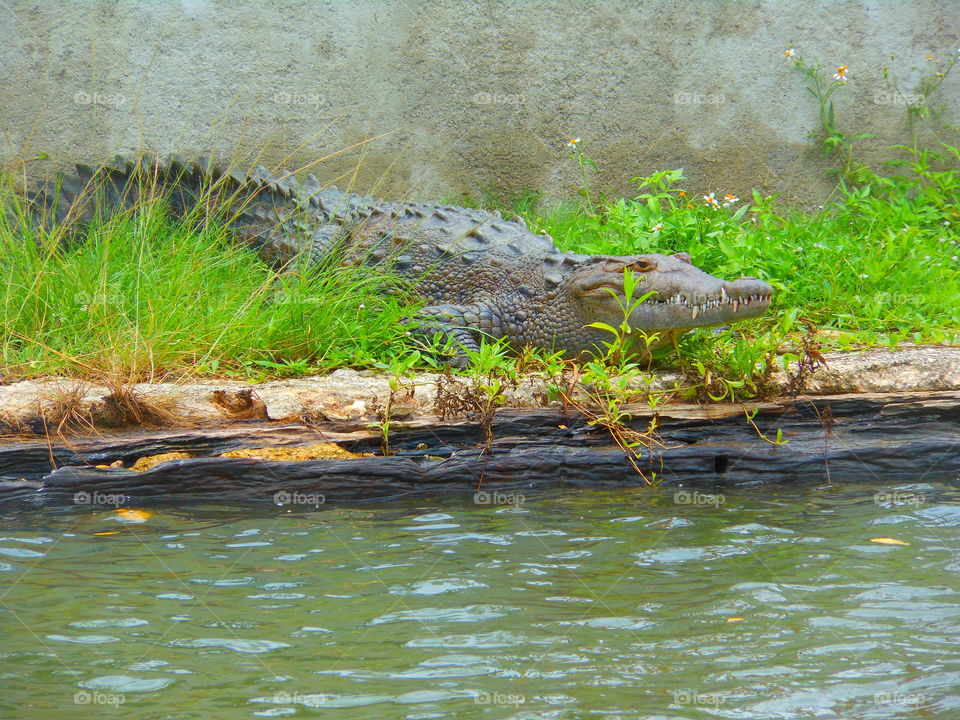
column 723, row 294
column 696, row 311
column 736, row 304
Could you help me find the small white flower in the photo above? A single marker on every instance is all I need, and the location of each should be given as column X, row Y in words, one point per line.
column 841, row 74
column 657, row 228
column 711, row 200
column 864, row 276
column 788, row 53
column 573, row 142
column 954, row 258
column 729, row 199
column 946, row 222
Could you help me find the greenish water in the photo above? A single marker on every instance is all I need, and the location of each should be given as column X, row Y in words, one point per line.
column 765, row 603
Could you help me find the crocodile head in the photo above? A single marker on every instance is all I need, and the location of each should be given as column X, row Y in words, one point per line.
column 684, row 296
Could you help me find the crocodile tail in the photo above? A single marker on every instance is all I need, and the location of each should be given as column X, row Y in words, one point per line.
column 273, row 213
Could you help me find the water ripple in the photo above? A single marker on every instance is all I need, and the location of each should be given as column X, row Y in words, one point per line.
column 470, row 613
column 109, row 622
column 615, row 603
column 438, row 586
column 126, row 684
column 235, row 644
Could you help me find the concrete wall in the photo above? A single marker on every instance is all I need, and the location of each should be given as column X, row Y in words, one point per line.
column 465, row 94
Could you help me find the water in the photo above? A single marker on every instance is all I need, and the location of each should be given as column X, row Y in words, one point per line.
column 764, row 603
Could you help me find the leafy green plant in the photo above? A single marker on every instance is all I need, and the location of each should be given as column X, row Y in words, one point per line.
column 584, row 163
column 615, row 378
column 399, row 370
column 726, row 366
column 492, row 370
column 833, row 140
column 918, row 103
column 626, row 341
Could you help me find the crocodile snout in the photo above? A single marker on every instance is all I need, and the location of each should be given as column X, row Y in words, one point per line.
column 746, row 294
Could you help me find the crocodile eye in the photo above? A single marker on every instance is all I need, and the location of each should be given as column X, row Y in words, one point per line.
column 641, row 266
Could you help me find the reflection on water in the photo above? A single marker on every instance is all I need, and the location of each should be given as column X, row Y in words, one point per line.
column 764, row 603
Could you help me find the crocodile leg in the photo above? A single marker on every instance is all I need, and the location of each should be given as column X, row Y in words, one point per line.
column 463, row 325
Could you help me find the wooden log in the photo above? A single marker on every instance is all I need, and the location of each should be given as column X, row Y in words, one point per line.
column 890, row 438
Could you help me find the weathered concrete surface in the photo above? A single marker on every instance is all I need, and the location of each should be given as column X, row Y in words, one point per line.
column 473, row 94
column 349, row 396
column 907, row 369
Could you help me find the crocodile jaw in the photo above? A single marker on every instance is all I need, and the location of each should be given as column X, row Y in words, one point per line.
column 742, row 299
column 682, row 296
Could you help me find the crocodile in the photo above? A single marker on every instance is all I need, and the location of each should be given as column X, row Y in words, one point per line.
column 480, row 274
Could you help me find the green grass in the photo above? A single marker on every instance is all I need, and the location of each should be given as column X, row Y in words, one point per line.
column 142, row 296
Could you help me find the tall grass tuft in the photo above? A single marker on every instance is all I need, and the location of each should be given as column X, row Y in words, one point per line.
column 140, row 294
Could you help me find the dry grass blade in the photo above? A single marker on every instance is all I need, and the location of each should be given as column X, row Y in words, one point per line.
column 64, row 410
column 125, row 405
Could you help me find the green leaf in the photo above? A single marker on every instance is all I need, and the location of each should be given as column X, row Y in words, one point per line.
column 603, row 326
